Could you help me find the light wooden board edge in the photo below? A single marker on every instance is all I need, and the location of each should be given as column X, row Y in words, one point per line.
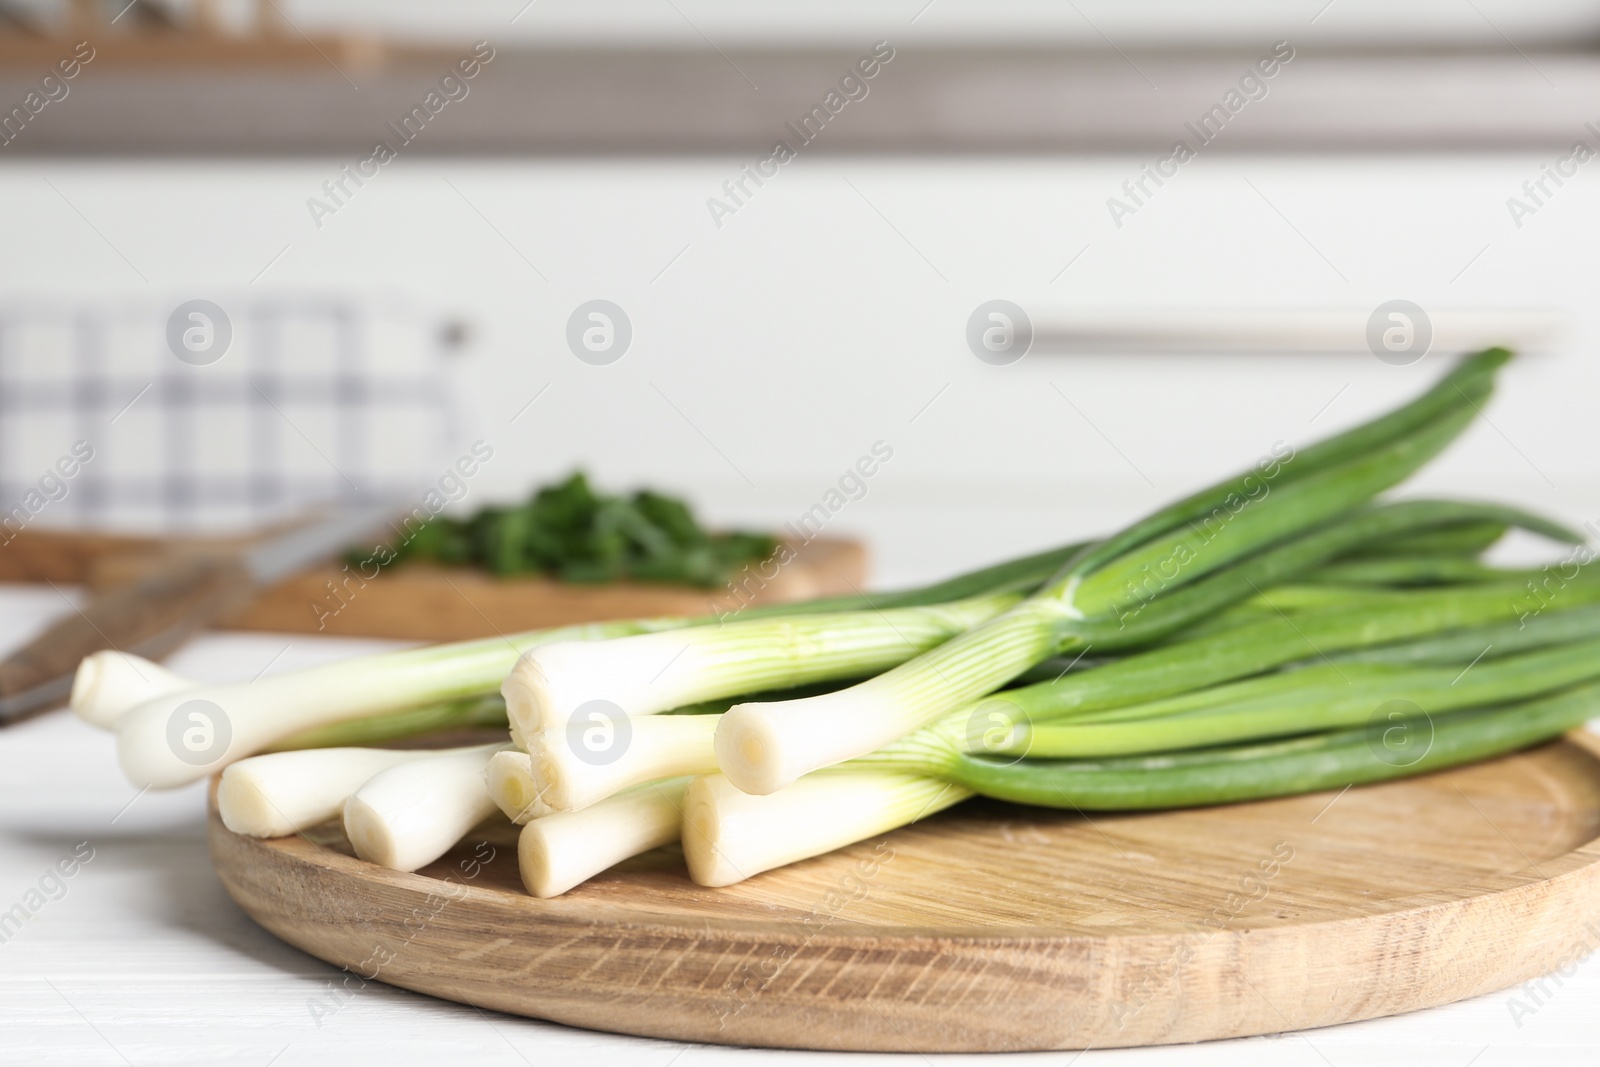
column 916, row 988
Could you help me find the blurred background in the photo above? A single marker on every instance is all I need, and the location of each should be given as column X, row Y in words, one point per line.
column 218, row 280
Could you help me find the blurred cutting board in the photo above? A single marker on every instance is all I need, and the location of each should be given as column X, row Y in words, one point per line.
column 418, row 601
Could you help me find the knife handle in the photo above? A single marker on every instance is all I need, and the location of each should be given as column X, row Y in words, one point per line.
column 148, row 617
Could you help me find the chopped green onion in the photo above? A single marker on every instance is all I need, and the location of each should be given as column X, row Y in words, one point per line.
column 580, row 535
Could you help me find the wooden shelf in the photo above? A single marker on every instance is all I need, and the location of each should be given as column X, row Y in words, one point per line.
column 279, row 96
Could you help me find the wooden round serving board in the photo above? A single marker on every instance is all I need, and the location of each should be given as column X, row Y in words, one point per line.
column 992, row 927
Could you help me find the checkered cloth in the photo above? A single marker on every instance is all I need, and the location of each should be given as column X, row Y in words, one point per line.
column 317, row 400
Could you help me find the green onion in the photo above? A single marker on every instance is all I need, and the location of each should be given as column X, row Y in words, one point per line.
column 1297, row 701
column 1467, row 384
column 107, row 684
column 287, row 792
column 1411, row 570
column 1278, row 768
column 1296, row 559
column 1321, row 698
column 729, row 835
column 574, row 774
column 652, row 673
column 474, row 713
column 557, row 852
column 1467, row 540
column 1185, row 666
column 141, row 678
column 1188, row 554
column 409, row 815
column 1575, row 623
column 1271, row 634
column 513, row 788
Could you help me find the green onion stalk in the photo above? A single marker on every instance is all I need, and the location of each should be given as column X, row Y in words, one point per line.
column 434, row 686
column 1466, row 540
column 1405, row 571
column 1466, row 622
column 560, row 684
column 1311, row 699
column 1387, row 748
column 1579, row 621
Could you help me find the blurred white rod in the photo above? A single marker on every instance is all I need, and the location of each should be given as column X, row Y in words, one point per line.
column 1289, row 332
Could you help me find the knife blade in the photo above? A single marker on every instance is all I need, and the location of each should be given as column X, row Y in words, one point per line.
column 156, row 613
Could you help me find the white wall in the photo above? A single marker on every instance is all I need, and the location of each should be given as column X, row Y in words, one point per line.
column 829, row 310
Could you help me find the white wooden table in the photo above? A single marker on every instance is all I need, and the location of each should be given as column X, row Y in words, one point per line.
column 140, row 957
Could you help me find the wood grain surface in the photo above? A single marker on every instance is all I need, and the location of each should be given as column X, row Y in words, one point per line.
column 991, row 927
column 421, row 602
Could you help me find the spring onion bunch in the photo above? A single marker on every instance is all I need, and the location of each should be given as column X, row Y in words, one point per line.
column 1272, row 678
column 1148, row 580
column 1282, row 631
column 1235, row 683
